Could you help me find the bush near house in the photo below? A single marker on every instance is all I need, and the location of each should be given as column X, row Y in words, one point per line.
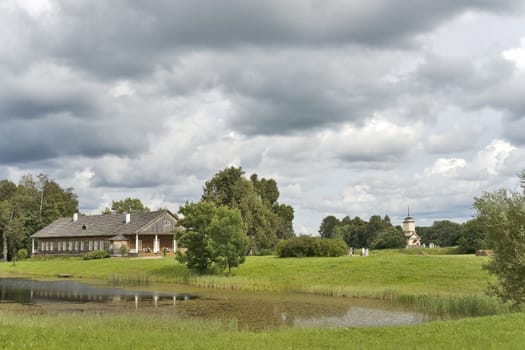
column 307, row 246
column 97, row 254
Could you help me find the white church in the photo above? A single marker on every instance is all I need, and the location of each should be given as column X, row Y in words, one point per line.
column 409, row 229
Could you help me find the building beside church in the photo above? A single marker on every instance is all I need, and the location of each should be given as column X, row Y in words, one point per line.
column 141, row 234
column 409, row 229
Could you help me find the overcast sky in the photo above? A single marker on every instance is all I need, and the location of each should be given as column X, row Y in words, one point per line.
column 354, row 107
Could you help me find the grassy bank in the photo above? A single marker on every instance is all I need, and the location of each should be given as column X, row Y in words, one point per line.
column 49, row 331
column 446, row 285
column 352, row 276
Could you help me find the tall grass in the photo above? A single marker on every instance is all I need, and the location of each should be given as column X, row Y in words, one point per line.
column 37, row 330
column 129, row 279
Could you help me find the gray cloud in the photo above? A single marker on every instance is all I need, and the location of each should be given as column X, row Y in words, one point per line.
column 348, row 103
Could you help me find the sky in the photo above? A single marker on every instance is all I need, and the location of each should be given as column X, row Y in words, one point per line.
column 354, row 107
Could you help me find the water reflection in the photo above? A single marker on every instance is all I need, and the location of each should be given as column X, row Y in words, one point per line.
column 29, row 291
column 251, row 311
column 362, row 317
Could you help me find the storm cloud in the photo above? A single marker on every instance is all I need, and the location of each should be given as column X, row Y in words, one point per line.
column 355, row 108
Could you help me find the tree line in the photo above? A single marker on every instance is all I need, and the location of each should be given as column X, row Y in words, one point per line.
column 27, row 207
column 379, row 233
column 376, row 233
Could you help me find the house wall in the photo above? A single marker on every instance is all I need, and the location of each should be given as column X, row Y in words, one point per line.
column 71, row 246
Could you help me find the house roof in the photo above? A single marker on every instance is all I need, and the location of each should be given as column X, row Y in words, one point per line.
column 100, row 225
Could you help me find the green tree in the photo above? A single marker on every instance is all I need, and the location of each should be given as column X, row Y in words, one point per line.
column 389, row 238
column 266, row 219
column 444, row 233
column 503, row 214
column 128, row 205
column 285, row 214
column 7, row 192
column 353, row 231
column 215, row 237
column 375, row 225
column 328, row 226
column 28, row 207
column 474, row 236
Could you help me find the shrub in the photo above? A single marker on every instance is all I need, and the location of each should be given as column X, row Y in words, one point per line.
column 97, row 254
column 124, row 250
column 22, row 254
column 307, row 246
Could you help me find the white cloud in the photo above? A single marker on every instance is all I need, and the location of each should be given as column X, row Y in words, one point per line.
column 493, row 156
column 121, row 88
column 516, row 55
column 446, row 167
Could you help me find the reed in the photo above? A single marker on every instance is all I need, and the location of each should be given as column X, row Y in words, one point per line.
column 129, row 279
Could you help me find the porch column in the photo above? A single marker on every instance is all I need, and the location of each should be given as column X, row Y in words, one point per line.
column 137, row 243
column 174, row 246
column 33, row 246
column 156, row 244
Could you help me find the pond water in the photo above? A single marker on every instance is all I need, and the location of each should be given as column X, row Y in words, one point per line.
column 252, row 311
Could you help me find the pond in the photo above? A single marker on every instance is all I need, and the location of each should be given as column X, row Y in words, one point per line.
column 251, row 310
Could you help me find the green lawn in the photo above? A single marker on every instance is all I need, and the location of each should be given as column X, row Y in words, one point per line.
column 386, row 270
column 49, row 331
column 413, row 277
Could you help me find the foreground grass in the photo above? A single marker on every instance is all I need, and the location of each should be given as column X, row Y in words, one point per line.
column 51, row 331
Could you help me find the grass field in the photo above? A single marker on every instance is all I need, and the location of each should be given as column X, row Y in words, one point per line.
column 447, row 283
column 350, row 276
column 76, row 331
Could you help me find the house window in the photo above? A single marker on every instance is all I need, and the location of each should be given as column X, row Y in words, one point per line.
column 51, row 245
column 95, row 245
column 59, row 246
column 82, row 246
column 90, row 245
column 140, row 245
column 70, row 246
column 64, row 245
column 76, row 245
column 101, row 245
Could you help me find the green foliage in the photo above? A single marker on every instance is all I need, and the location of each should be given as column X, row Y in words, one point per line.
column 97, row 254
column 128, row 205
column 214, row 237
column 355, row 232
column 307, row 246
column 22, row 254
column 328, row 225
column 124, row 250
column 503, row 214
column 474, row 237
column 389, row 238
column 444, row 233
column 256, row 199
column 29, row 206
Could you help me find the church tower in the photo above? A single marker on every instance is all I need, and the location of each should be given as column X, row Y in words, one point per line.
column 409, row 229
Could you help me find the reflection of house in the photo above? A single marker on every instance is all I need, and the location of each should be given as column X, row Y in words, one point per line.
column 409, row 229
column 141, row 233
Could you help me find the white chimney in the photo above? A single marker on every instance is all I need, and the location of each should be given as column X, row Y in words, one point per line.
column 128, row 218
column 75, row 217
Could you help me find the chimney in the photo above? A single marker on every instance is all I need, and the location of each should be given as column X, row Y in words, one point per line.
column 128, row 218
column 75, row 217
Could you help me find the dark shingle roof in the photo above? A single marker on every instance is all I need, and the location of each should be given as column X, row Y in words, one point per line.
column 99, row 225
